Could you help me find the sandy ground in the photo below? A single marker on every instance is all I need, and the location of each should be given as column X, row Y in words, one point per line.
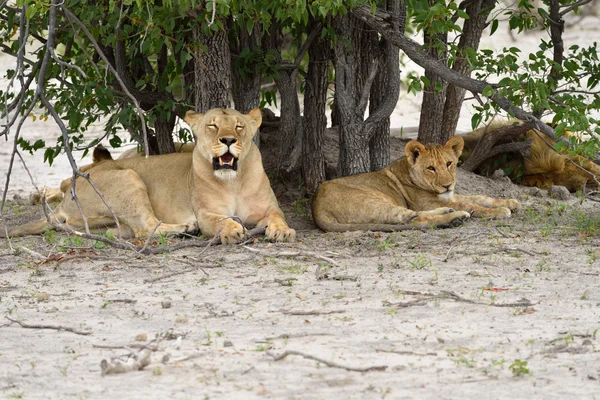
column 492, row 309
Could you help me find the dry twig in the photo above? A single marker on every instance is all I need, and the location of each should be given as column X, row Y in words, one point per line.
column 326, row 362
column 57, row 327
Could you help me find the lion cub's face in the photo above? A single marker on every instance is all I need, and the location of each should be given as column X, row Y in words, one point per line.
column 223, row 137
column 433, row 167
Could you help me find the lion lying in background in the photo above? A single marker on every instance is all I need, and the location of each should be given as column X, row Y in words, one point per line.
column 223, row 176
column 415, row 191
column 543, row 167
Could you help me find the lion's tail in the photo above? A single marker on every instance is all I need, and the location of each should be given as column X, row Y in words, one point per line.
column 31, row 228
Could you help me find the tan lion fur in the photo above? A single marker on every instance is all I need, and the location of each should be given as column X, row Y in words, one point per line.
column 183, row 190
column 543, row 167
column 417, row 190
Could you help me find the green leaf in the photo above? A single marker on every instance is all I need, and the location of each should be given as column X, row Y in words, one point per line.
column 476, row 120
column 488, row 91
column 494, row 27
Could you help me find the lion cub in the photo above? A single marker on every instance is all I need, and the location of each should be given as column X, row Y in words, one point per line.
column 415, row 191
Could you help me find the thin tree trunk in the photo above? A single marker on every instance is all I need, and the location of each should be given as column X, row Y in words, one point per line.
column 379, row 145
column 478, row 11
column 432, row 107
column 290, row 128
column 315, row 120
column 245, row 78
column 164, row 134
column 212, row 71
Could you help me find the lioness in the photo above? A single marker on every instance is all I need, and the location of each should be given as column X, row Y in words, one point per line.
column 222, row 177
column 417, row 190
column 541, row 167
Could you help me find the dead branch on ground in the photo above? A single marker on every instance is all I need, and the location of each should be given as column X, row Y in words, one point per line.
column 449, row 295
column 486, row 147
column 326, row 362
column 56, row 327
column 295, row 253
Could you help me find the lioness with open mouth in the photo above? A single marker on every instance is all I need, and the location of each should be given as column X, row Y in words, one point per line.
column 417, row 191
column 221, row 178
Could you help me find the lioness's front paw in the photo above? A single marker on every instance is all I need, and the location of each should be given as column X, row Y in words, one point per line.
column 192, row 228
column 231, row 232
column 280, row 233
column 513, row 204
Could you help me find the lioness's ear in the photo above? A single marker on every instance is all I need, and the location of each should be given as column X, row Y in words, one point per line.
column 456, row 144
column 192, row 116
column 256, row 116
column 413, row 150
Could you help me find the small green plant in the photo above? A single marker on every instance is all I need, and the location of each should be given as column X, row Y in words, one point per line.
column 162, row 239
column 385, row 244
column 584, row 296
column 542, row 266
column 302, row 208
column 263, row 347
column 49, row 236
column 519, row 368
column 157, row 371
column 421, row 261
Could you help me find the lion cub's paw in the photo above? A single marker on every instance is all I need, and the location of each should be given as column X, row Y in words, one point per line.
column 232, row 232
column 459, row 217
column 439, row 211
column 280, row 233
column 513, row 204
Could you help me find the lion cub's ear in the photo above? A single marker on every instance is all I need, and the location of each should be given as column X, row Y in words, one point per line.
column 413, row 150
column 456, row 144
column 256, row 117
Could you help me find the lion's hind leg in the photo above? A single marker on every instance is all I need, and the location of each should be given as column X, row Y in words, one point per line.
column 127, row 195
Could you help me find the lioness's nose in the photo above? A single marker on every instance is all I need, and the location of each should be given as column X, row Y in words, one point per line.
column 228, row 140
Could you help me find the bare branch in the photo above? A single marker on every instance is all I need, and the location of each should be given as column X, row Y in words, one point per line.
column 573, row 6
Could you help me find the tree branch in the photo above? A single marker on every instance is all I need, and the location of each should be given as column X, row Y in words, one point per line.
column 413, row 50
column 573, row 6
column 112, row 70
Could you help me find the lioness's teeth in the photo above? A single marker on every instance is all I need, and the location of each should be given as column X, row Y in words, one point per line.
column 220, row 161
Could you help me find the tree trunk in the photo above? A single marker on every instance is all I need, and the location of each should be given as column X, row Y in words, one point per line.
column 432, row 107
column 212, row 70
column 353, row 83
column 315, row 120
column 164, row 134
column 354, row 149
column 290, row 128
column 379, row 145
column 245, row 78
column 478, row 12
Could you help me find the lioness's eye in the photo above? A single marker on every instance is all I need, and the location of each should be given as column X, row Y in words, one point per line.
column 213, row 126
column 239, row 127
column 431, row 168
column 448, row 164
